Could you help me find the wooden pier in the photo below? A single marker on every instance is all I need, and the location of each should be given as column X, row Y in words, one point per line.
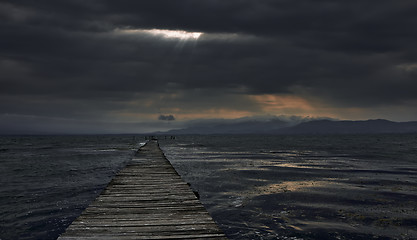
column 145, row 200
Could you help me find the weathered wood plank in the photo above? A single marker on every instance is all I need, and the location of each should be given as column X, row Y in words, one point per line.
column 154, row 237
column 145, row 200
column 148, row 217
column 135, row 222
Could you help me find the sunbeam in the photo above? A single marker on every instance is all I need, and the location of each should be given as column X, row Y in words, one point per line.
column 164, row 33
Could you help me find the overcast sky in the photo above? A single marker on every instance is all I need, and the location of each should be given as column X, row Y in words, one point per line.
column 135, row 66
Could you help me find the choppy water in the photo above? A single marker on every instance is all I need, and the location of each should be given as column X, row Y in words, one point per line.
column 304, row 187
column 46, row 182
column 255, row 187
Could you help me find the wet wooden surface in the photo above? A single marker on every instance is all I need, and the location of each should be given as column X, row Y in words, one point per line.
column 145, row 200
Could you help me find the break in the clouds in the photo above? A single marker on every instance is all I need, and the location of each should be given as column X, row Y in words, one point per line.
column 125, row 62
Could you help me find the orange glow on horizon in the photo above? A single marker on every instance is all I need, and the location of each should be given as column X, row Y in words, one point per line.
column 149, row 109
column 183, row 115
column 283, row 104
column 212, row 114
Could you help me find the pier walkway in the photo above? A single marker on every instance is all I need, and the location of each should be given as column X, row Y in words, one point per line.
column 145, row 200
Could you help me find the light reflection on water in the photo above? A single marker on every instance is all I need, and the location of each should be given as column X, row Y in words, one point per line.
column 314, row 187
column 299, row 186
column 269, row 187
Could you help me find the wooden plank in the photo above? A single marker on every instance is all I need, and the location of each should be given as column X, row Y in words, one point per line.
column 148, row 217
column 153, row 237
column 145, row 200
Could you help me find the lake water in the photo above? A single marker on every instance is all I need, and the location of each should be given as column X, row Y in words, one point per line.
column 47, row 181
column 255, row 187
column 304, row 187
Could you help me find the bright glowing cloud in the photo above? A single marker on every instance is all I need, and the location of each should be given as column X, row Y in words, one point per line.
column 164, row 33
column 175, row 34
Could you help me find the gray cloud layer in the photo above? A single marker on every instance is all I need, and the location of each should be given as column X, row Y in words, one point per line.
column 72, row 59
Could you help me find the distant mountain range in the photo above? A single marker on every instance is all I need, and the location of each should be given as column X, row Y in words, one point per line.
column 277, row 126
column 231, row 127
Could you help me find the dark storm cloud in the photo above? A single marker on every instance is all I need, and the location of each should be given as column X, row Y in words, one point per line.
column 73, row 58
column 166, row 117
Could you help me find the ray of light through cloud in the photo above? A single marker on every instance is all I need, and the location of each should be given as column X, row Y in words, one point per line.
column 164, row 33
column 180, row 38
